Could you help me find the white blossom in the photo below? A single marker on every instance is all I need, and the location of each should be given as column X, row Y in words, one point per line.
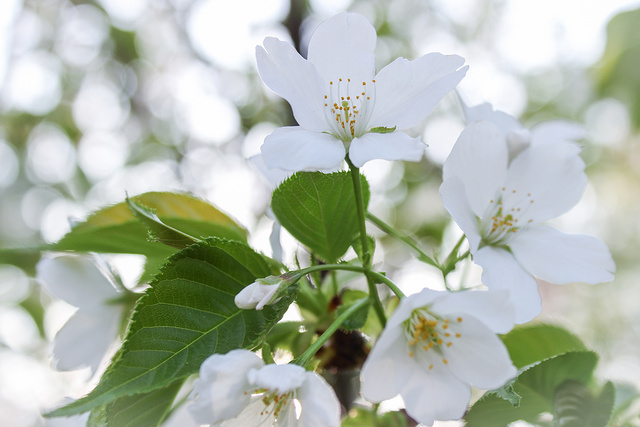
column 87, row 335
column 341, row 104
column 501, row 184
column 435, row 346
column 237, row 389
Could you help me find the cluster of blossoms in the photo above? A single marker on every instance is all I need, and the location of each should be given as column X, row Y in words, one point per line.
column 501, row 183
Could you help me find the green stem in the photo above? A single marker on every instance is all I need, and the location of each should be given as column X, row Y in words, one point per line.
column 403, row 238
column 380, row 278
column 366, row 256
column 384, row 279
column 305, row 357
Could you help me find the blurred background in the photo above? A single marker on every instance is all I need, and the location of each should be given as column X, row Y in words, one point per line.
column 103, row 97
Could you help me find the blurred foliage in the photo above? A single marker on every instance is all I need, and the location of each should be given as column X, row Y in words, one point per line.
column 617, row 72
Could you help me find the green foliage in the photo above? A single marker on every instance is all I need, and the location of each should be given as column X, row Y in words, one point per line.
column 617, row 72
column 283, row 334
column 508, row 393
column 537, row 386
column 116, row 229
column 367, row 418
column 357, row 320
column 357, row 246
column 147, row 409
column 576, row 406
column 625, row 409
column 158, row 230
column 187, row 314
column 319, row 210
column 533, row 343
column 24, row 258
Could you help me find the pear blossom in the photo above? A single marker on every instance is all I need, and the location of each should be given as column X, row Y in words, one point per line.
column 435, row 346
column 342, row 105
column 501, row 184
column 238, row 389
column 86, row 336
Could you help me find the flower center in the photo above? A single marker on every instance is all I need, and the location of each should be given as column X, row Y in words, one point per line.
column 274, row 403
column 348, row 107
column 426, row 333
column 506, row 214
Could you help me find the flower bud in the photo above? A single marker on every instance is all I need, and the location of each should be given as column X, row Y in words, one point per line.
column 259, row 293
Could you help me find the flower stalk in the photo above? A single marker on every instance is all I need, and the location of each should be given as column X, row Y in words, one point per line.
column 305, row 357
column 366, row 256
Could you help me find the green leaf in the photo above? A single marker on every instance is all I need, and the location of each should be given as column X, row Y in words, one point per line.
column 24, row 258
column 533, row 343
column 357, row 320
column 508, row 393
column 282, row 334
column 382, row 129
column 115, row 229
column 319, row 210
column 187, row 314
column 158, row 230
column 147, row 409
column 537, row 387
column 357, row 246
column 367, row 418
column 625, row 407
column 616, row 74
column 576, row 406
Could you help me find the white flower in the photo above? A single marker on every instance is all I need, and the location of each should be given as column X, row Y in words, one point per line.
column 501, row 205
column 434, row 347
column 237, row 389
column 258, row 294
column 341, row 104
column 87, row 335
column 274, row 177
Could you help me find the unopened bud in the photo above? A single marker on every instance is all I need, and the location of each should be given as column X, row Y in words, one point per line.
column 259, row 293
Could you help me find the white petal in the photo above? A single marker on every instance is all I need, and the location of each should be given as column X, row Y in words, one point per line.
column 478, row 357
column 503, row 121
column 493, row 308
column 556, row 131
column 274, row 176
column 342, row 47
column 435, row 394
column 219, row 393
column 562, row 258
column 480, row 159
column 274, row 241
column 253, row 414
column 255, row 296
column 552, row 174
column 454, row 198
column 320, row 406
column 388, row 367
column 406, row 91
column 280, row 378
column 85, row 338
column 501, row 271
column 388, row 146
column 76, row 280
column 289, row 75
column 296, row 149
